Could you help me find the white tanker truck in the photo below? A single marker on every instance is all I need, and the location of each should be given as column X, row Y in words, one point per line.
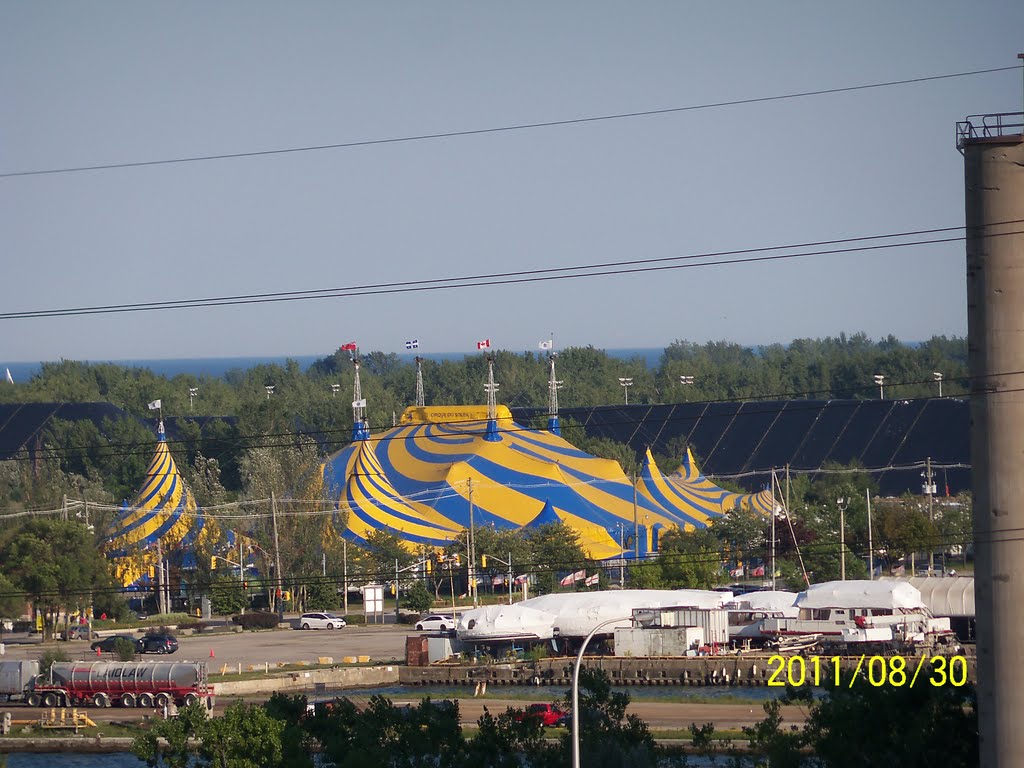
column 106, row 683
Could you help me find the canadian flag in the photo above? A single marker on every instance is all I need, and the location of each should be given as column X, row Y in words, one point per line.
column 568, row 580
column 486, row 343
column 350, row 347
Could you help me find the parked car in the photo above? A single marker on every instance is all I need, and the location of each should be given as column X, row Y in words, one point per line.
column 158, row 642
column 77, row 632
column 548, row 714
column 320, row 621
column 435, row 623
column 106, row 645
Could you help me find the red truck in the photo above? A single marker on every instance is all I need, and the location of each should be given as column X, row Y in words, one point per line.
column 548, row 714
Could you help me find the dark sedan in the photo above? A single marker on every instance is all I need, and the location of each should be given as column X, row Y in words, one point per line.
column 107, row 644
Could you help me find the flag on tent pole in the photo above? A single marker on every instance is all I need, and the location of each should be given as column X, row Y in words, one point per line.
column 10, row 380
column 591, row 581
column 156, row 405
column 359, row 403
column 350, row 347
column 483, row 344
column 412, row 344
column 547, row 344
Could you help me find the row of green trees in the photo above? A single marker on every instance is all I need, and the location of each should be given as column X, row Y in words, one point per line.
column 847, row 727
column 107, row 459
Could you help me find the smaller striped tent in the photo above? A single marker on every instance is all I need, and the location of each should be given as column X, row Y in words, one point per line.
column 162, row 518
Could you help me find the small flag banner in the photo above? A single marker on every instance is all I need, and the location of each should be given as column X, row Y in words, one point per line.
column 548, row 344
column 736, row 572
column 350, row 347
column 580, row 575
column 412, row 344
column 486, row 343
column 522, row 579
column 497, row 581
column 759, row 571
column 359, row 403
column 591, row 581
column 156, row 405
column 567, row 581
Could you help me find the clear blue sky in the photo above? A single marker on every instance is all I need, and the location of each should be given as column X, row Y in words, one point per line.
column 93, row 83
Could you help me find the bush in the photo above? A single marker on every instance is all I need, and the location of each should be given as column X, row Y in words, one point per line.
column 49, row 657
column 259, row 620
column 408, row 618
column 355, row 618
column 124, row 650
column 195, row 626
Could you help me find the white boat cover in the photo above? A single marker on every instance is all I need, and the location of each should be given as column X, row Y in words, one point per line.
column 767, row 601
column 575, row 614
column 946, row 595
column 861, row 594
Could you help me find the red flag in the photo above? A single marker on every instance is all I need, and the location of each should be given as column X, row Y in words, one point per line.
column 483, row 344
column 567, row 581
column 350, row 347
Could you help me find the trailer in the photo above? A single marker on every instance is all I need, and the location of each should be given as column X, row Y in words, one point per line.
column 127, row 684
column 15, row 679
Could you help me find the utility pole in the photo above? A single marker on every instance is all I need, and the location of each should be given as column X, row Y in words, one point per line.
column 397, row 598
column 871, row 546
column 842, row 503
column 774, row 513
column 344, row 577
column 277, row 560
column 636, row 528
column 622, row 559
column 510, row 578
column 929, row 488
column 472, row 549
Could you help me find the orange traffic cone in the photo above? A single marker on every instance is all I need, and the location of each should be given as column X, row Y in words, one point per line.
column 211, row 654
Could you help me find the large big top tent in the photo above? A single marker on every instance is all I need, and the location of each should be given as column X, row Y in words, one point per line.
column 424, row 478
column 162, row 520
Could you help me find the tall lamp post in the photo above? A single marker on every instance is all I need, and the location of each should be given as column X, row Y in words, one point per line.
column 576, row 688
column 192, row 392
column 270, row 390
column 626, row 382
column 334, row 389
column 880, row 381
column 937, row 375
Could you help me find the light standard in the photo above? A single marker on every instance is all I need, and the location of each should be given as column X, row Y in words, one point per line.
column 334, row 389
column 938, row 380
column 929, row 490
column 576, row 688
column 687, row 380
column 483, row 564
column 270, row 390
column 880, row 381
column 192, row 392
column 625, row 382
column 842, row 503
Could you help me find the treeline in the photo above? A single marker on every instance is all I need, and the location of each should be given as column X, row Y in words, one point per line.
column 107, row 460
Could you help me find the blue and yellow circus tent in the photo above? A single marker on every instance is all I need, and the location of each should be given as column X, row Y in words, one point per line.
column 162, row 518
column 420, row 479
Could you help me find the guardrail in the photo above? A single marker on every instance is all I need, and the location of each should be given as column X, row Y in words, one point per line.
column 993, row 126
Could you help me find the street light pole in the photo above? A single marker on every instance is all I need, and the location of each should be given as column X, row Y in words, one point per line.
column 576, row 689
column 880, row 381
column 938, row 380
column 626, row 382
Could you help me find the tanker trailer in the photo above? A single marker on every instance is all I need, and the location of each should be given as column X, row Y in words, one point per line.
column 128, row 684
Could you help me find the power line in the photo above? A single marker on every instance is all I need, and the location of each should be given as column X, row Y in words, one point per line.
column 605, row 269
column 500, row 129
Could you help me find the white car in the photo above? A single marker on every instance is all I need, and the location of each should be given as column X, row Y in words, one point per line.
column 435, row 623
column 320, row 621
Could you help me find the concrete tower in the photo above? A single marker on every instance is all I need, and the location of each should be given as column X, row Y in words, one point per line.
column 993, row 150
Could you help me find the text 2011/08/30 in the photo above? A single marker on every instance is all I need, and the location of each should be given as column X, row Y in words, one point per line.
column 897, row 671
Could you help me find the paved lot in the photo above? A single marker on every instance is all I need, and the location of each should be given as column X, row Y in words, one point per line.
column 380, row 643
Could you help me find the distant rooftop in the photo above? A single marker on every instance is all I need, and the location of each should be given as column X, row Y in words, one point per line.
column 995, row 128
